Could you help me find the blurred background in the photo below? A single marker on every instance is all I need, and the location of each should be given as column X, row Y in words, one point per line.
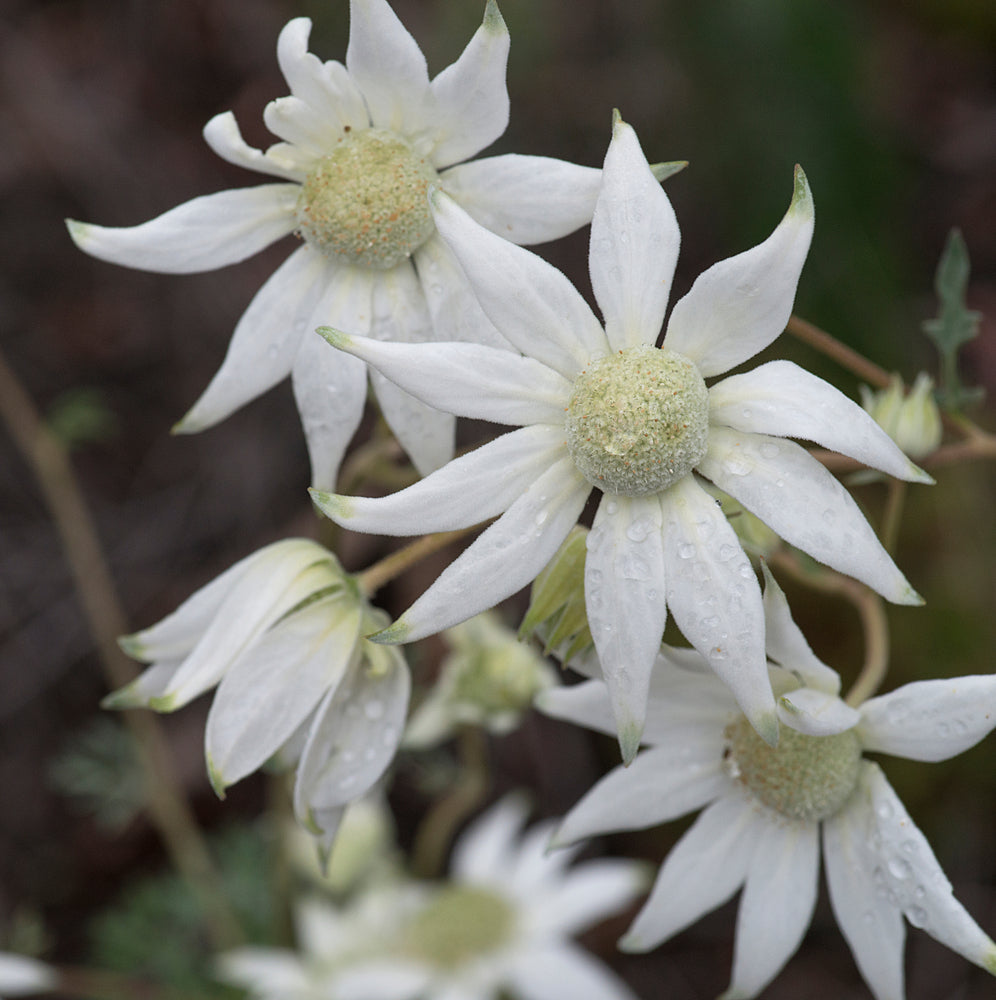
column 890, row 105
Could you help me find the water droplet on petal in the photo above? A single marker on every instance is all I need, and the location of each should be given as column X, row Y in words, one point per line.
column 899, row 868
column 686, row 551
column 373, row 710
column 769, row 450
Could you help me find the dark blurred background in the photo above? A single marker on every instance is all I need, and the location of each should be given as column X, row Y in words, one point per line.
column 890, row 105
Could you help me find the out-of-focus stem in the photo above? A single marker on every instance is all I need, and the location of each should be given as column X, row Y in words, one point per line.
column 99, row 984
column 895, row 502
column 375, row 576
column 845, row 356
column 167, row 807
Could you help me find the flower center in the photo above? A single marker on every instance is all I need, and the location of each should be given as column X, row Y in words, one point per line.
column 459, row 923
column 366, row 202
column 804, row 777
column 637, row 421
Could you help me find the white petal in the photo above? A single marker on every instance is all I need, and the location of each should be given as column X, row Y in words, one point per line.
column 329, row 387
column 387, row 64
column 586, row 704
column 585, row 895
column 624, row 598
column 783, row 399
column 20, row 975
column 326, row 87
column 223, row 136
column 307, row 131
column 275, row 685
column 715, row 599
column 786, row 644
column 658, row 786
column 796, row 497
column 353, row 740
column 740, row 305
column 469, row 380
column 530, row 302
column 266, row 340
column 199, row 235
column 485, row 849
column 930, row 720
column 816, row 713
column 634, row 245
column 503, row 559
column 470, row 489
column 382, row 978
column 776, row 906
column 908, row 871
column 525, row 199
column 872, row 926
column 703, row 870
column 470, row 100
column 152, row 683
column 563, row 970
column 688, row 702
column 265, row 971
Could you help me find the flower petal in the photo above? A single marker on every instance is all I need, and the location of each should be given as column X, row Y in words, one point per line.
column 740, row 305
column 525, row 199
column 266, row 340
column 776, row 906
column 816, row 713
column 222, row 134
column 470, row 99
column 913, row 880
column 787, row 646
column 800, row 500
column 585, row 895
column 703, row 870
column 546, row 318
column 330, row 388
column 353, row 739
column 624, row 599
column 469, row 380
column 485, row 850
column 634, row 245
column 783, row 399
column 503, row 559
column 388, row 66
column 872, row 926
column 715, row 599
column 560, row 970
column 199, row 235
column 657, row 787
column 20, row 975
column 470, row 489
column 586, row 704
column 275, row 685
column 930, row 720
column 303, row 128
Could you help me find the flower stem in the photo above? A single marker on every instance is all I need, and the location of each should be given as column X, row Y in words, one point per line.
column 375, row 576
column 845, row 356
column 895, row 501
column 101, row 984
column 167, row 807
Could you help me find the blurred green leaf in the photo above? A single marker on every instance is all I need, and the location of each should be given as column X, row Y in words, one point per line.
column 81, row 416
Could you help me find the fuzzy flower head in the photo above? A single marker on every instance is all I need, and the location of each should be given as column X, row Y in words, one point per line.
column 501, row 925
column 764, row 808
column 281, row 635
column 600, row 406
column 360, row 145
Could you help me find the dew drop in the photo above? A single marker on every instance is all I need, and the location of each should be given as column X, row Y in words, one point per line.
column 634, row 568
column 769, row 450
column 686, row 551
column 829, row 516
column 727, row 552
column 884, row 811
column 899, row 868
column 373, row 710
column 611, row 507
column 711, row 622
column 745, row 413
column 917, row 916
column 737, row 465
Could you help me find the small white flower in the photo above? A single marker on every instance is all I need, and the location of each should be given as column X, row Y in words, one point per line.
column 603, row 407
column 501, row 925
column 281, row 634
column 361, row 143
column 489, row 679
column 764, row 808
column 22, row 976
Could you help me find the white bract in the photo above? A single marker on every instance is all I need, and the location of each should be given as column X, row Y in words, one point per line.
column 764, row 808
column 603, row 407
column 360, row 145
column 500, row 926
column 281, row 634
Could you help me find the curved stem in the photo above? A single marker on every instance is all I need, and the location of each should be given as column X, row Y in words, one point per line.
column 167, row 807
column 845, row 356
column 895, row 502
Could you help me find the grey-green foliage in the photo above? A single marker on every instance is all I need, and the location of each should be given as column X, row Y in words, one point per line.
column 955, row 324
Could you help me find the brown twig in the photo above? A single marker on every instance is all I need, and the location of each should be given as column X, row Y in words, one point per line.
column 845, row 356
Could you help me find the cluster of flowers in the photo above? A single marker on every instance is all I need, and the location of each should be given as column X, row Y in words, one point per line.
column 411, row 264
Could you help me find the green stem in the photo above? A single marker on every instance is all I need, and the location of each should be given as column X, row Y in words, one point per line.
column 896, row 499
column 167, row 807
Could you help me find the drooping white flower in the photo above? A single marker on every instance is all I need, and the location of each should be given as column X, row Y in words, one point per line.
column 603, row 407
column 489, row 679
column 501, row 925
column 360, row 145
column 281, row 634
column 764, row 808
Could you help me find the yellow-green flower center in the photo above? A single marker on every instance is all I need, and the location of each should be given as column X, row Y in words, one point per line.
column 460, row 923
column 366, row 203
column 637, row 421
column 804, row 777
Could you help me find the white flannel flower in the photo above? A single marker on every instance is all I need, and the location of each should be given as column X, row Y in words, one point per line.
column 281, row 634
column 361, row 145
column 603, row 407
column 500, row 926
column 764, row 808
